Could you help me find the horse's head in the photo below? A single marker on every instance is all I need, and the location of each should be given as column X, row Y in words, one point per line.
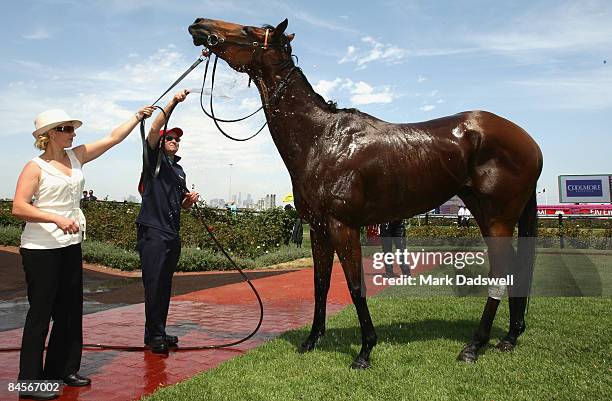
column 244, row 48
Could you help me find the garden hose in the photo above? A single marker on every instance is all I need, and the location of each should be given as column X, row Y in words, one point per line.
column 183, row 187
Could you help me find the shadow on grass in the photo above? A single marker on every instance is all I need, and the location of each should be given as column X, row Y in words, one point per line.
column 344, row 339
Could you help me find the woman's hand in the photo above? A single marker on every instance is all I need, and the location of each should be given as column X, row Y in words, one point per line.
column 144, row 112
column 68, row 226
column 91, row 151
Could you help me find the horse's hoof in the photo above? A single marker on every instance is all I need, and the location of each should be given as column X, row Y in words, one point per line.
column 307, row 346
column 505, row 346
column 468, row 355
column 360, row 363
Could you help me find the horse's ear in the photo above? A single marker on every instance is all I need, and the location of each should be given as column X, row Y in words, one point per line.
column 280, row 29
column 290, row 37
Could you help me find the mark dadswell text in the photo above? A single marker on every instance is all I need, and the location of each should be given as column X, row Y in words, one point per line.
column 459, row 279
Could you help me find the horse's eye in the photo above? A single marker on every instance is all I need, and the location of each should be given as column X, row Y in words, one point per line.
column 245, row 30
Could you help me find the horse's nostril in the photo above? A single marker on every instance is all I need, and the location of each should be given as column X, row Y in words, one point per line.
column 198, row 20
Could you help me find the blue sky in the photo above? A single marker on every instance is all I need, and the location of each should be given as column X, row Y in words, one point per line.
column 537, row 63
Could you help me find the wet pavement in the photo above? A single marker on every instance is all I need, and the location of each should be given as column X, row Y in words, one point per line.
column 102, row 288
column 203, row 317
column 207, row 316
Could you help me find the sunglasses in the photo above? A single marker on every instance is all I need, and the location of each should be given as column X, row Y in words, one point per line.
column 65, row 128
column 173, row 138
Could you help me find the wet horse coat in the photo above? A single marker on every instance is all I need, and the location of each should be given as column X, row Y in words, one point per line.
column 350, row 169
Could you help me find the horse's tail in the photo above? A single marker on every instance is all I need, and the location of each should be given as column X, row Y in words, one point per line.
column 526, row 250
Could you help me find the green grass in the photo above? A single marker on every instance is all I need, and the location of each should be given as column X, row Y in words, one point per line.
column 564, row 355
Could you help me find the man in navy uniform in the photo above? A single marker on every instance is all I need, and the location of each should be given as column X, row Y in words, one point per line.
column 163, row 195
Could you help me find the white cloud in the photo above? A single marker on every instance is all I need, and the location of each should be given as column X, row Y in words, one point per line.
column 421, row 79
column 427, row 107
column 358, row 93
column 376, row 51
column 325, row 88
column 37, row 34
column 588, row 90
column 570, row 26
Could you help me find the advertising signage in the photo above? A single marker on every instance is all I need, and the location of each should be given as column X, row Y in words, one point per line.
column 584, row 188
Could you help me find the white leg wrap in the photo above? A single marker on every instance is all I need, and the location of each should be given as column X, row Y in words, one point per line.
column 497, row 291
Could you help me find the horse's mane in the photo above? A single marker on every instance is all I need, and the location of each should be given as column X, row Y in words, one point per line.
column 331, row 105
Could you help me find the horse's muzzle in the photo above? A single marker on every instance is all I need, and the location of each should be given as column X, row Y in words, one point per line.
column 198, row 33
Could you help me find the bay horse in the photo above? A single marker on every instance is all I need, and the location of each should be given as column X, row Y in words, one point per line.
column 349, row 169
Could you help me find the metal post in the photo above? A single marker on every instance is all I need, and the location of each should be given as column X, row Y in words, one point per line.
column 561, row 239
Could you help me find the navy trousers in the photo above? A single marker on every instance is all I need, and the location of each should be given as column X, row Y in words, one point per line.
column 55, row 291
column 159, row 255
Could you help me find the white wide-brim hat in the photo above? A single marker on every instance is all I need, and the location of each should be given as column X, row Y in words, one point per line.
column 47, row 120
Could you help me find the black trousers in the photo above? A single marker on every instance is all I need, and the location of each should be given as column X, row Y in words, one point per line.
column 54, row 279
column 159, row 254
column 387, row 247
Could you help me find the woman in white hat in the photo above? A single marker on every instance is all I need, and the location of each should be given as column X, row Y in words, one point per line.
column 47, row 197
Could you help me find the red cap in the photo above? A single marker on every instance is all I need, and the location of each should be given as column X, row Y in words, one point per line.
column 176, row 130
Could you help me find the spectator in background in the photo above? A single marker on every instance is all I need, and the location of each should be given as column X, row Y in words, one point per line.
column 84, row 198
column 392, row 233
column 91, row 196
column 460, row 214
column 297, row 234
column 466, row 218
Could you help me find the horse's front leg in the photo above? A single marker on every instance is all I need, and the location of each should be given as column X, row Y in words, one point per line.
column 345, row 240
column 323, row 255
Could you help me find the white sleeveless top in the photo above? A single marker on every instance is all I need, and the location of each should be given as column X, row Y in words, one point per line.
column 57, row 193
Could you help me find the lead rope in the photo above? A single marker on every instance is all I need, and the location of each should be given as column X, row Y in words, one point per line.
column 216, row 120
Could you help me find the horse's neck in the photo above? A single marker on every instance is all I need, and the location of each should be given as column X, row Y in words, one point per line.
column 295, row 117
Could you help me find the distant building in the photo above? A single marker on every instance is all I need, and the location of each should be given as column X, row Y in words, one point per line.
column 270, row 202
column 451, row 206
column 248, row 202
column 261, row 203
column 218, row 203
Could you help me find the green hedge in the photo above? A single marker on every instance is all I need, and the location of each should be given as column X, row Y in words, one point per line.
column 575, row 236
column 192, row 259
column 10, row 236
column 6, row 217
column 248, row 234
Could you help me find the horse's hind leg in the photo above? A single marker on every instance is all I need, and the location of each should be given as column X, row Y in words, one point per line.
column 501, row 254
column 498, row 236
column 518, row 293
column 345, row 240
column 517, row 323
column 323, row 256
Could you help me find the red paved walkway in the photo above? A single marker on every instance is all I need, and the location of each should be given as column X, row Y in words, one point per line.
column 203, row 317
